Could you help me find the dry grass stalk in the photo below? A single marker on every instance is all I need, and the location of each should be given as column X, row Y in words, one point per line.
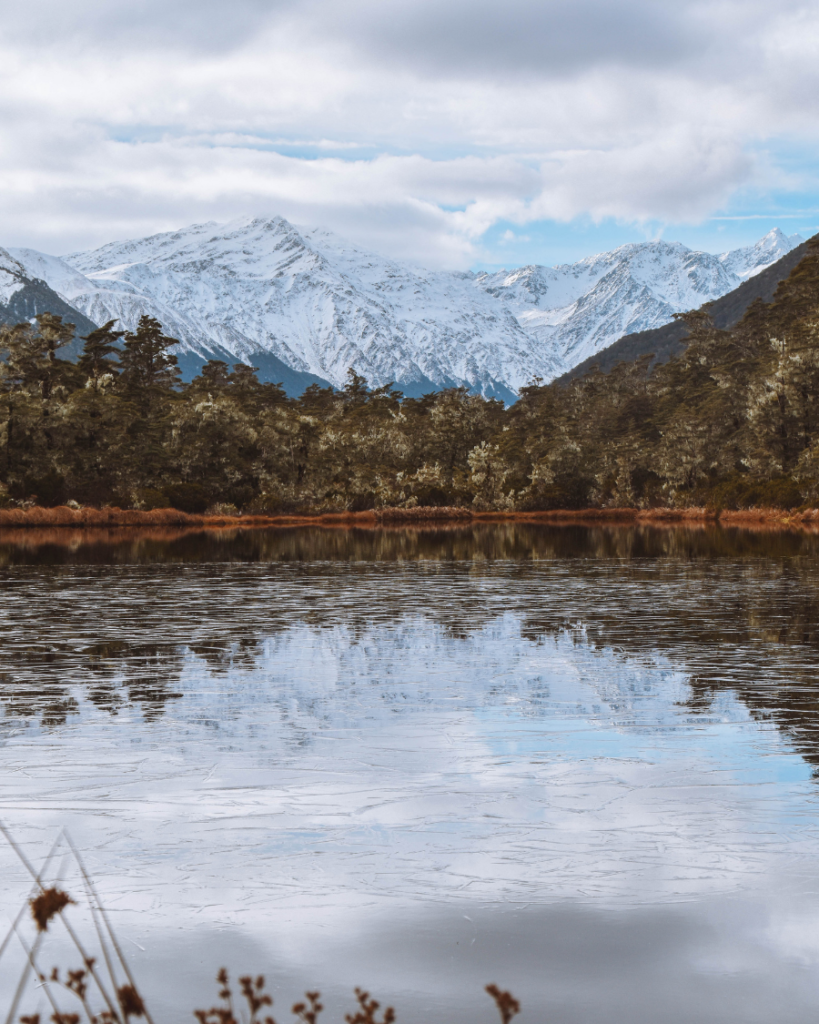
column 305, row 1012
column 130, row 1001
column 367, row 1009
column 421, row 512
column 254, row 995
column 308, row 1012
column 50, row 902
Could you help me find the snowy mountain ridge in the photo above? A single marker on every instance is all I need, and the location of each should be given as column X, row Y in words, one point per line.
column 260, row 287
column 12, row 276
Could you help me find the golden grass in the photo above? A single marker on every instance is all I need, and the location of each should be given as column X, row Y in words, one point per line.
column 422, row 513
column 64, row 517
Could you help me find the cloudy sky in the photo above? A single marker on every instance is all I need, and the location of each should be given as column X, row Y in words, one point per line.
column 463, row 133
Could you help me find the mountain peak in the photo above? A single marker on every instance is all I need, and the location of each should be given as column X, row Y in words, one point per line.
column 259, row 288
column 751, row 259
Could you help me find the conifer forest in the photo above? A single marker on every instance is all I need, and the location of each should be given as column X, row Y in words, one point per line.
column 731, row 423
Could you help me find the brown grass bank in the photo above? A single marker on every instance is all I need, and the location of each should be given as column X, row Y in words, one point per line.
column 165, row 518
column 63, row 516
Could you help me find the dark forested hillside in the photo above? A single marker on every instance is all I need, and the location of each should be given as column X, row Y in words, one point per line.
column 36, row 297
column 733, row 421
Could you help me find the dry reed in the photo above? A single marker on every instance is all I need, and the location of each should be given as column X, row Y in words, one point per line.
column 118, row 992
column 422, row 513
column 64, row 517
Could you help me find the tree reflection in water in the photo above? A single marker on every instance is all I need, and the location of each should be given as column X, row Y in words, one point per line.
column 116, row 615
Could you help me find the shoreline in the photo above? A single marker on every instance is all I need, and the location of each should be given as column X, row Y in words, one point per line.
column 93, row 518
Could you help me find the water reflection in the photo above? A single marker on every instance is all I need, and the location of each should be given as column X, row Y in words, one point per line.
column 365, row 750
column 117, row 612
column 474, row 542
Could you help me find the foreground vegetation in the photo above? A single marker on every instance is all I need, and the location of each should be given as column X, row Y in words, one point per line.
column 103, row 990
column 732, row 423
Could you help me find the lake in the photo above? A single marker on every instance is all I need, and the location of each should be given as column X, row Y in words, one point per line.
column 577, row 762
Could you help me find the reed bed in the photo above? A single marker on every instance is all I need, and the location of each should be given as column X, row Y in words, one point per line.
column 63, row 516
column 102, row 988
column 81, row 518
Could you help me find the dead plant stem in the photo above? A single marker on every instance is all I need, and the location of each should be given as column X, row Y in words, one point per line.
column 104, row 915
column 37, row 885
column 86, row 959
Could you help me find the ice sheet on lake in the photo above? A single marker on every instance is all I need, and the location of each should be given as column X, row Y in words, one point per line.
column 369, row 780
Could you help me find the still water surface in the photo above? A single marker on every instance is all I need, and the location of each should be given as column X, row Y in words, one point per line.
column 580, row 763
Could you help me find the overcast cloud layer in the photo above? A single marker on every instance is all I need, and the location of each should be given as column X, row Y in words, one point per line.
column 410, row 125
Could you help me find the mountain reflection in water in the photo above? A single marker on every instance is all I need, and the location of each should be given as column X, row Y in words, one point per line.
column 576, row 761
column 732, row 608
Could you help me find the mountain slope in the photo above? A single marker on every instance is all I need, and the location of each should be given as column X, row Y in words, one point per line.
column 305, row 306
column 22, row 298
column 581, row 308
column 670, row 340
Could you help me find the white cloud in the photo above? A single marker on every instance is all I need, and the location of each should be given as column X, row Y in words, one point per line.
column 411, row 126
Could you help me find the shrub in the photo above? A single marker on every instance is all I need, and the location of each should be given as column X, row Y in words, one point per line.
column 222, row 508
column 241, row 495
column 741, row 492
column 187, row 497
column 266, row 504
column 362, row 502
column 150, row 498
column 430, row 496
column 565, row 492
column 48, row 490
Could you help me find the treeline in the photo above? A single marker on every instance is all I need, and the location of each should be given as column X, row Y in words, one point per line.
column 733, row 422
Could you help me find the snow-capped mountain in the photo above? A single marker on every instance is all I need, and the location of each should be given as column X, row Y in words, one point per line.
column 12, row 276
column 747, row 262
column 316, row 303
column 578, row 309
column 22, row 298
column 260, row 288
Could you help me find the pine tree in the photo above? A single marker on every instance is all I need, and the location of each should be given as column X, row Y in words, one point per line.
column 356, row 389
column 100, row 345
column 32, row 353
column 148, row 368
column 213, row 379
column 31, row 372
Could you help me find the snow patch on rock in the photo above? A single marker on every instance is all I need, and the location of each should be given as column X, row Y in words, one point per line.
column 12, row 276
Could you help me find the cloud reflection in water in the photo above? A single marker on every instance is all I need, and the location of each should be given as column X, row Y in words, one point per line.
column 338, row 769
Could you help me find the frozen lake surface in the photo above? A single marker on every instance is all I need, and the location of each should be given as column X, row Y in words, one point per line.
column 579, row 763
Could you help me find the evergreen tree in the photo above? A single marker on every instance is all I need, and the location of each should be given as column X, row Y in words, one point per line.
column 213, row 379
column 149, row 370
column 355, row 390
column 32, row 353
column 100, row 346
